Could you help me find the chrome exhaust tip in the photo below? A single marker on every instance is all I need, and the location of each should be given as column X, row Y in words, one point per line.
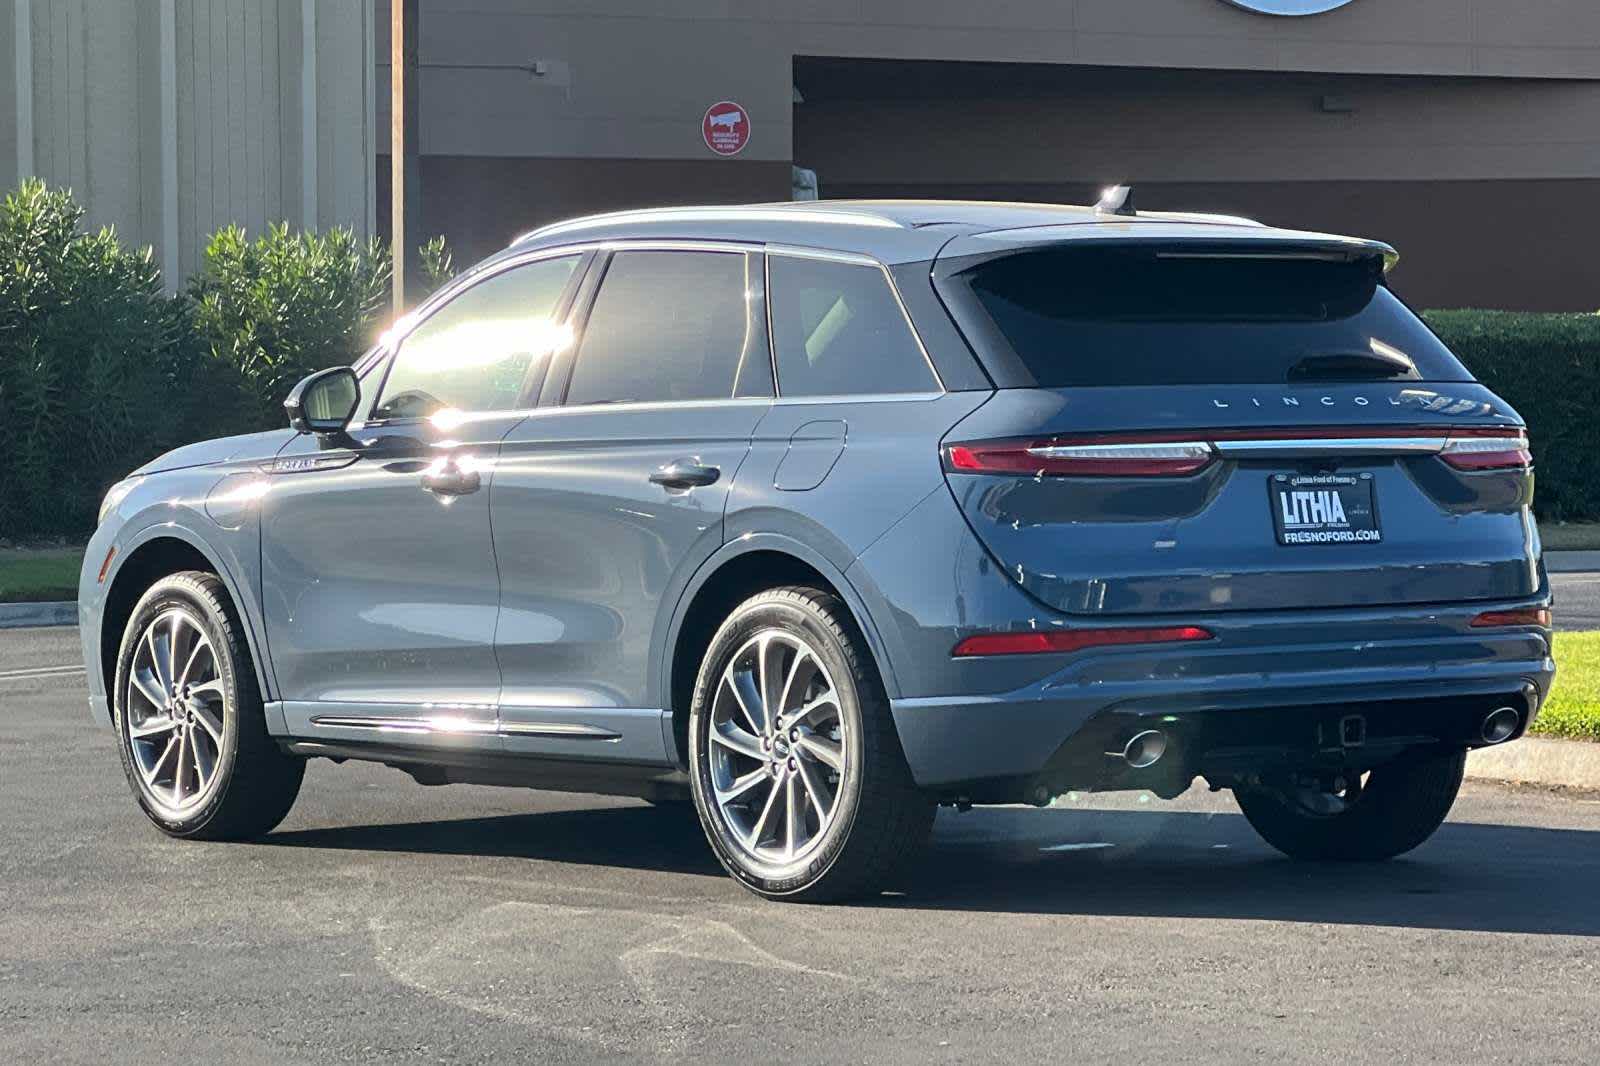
column 1145, row 749
column 1501, row 725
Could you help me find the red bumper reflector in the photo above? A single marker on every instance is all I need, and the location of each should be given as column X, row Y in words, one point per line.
column 1037, row 642
column 1527, row 616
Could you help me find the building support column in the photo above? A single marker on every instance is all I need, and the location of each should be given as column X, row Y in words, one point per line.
column 308, row 114
column 171, row 255
column 405, row 191
column 23, row 24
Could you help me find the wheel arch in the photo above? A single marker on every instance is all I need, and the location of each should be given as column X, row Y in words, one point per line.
column 153, row 554
column 739, row 570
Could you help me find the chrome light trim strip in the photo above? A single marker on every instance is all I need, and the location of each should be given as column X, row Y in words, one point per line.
column 455, row 726
column 1333, row 446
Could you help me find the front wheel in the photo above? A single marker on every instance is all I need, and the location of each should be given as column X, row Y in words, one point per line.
column 189, row 719
column 1355, row 817
column 796, row 769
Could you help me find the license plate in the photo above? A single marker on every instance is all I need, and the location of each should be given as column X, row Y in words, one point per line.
column 1324, row 509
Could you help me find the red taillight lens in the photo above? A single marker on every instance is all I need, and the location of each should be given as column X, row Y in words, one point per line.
column 1487, row 449
column 1527, row 616
column 1035, row 642
column 1143, row 456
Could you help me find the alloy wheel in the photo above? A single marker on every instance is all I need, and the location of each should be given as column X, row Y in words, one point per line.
column 176, row 709
column 777, row 748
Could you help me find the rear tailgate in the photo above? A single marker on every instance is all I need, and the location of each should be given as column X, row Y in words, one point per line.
column 1211, row 431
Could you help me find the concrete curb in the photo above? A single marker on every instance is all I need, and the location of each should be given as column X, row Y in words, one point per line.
column 1540, row 761
column 1571, row 562
column 23, row 615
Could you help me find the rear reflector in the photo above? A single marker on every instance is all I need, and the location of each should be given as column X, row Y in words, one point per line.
column 1488, row 449
column 1034, row 642
column 1527, row 616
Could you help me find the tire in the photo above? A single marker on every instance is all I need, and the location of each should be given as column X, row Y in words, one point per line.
column 1399, row 807
column 846, row 761
column 217, row 722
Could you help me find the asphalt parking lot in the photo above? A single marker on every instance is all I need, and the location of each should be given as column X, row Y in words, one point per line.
column 390, row 922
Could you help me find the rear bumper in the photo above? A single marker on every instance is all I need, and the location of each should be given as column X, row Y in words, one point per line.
column 1418, row 672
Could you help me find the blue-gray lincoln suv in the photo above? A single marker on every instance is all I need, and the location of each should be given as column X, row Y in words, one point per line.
column 826, row 514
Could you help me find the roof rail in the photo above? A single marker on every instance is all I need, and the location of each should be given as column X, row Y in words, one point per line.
column 777, row 213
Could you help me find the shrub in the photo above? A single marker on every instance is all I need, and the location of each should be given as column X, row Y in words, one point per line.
column 90, row 354
column 271, row 310
column 1547, row 366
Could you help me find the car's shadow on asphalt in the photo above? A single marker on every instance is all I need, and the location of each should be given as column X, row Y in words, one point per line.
column 1155, row 864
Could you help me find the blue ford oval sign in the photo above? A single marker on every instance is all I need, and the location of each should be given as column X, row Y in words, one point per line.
column 1289, row 7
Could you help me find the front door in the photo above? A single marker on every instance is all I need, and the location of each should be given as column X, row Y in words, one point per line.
column 379, row 577
column 612, row 494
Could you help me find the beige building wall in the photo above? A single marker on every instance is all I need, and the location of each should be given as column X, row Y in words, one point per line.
column 172, row 118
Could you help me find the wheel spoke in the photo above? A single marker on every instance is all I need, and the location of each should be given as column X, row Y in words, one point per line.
column 770, row 707
column 157, row 666
column 208, row 688
column 823, row 749
column 733, row 738
column 817, row 791
column 744, row 699
column 203, row 764
column 155, row 725
column 154, row 771
column 178, row 768
column 757, row 830
column 794, row 814
column 200, row 645
column 742, row 786
column 150, row 690
column 801, row 657
column 827, row 699
column 210, row 721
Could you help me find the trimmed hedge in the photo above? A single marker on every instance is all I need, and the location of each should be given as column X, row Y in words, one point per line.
column 92, row 354
column 1547, row 366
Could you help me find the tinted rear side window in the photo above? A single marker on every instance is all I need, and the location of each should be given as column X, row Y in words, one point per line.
column 1148, row 316
column 665, row 326
column 837, row 330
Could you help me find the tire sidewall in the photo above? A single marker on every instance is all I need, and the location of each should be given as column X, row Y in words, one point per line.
column 183, row 593
column 748, row 619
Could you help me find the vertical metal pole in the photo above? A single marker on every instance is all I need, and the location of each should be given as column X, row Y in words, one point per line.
column 404, row 184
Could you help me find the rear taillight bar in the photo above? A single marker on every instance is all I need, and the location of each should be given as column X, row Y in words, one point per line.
column 1182, row 453
column 1487, row 450
column 1042, row 642
column 1522, row 616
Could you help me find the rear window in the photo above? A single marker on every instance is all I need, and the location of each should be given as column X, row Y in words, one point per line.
column 1167, row 316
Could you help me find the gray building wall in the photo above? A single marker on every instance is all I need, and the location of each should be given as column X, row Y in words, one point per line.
column 172, row 118
column 1463, row 109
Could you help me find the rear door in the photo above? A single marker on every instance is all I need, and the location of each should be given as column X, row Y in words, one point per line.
column 1230, row 426
column 612, row 493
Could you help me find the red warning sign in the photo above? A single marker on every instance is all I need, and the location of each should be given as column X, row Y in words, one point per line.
column 726, row 128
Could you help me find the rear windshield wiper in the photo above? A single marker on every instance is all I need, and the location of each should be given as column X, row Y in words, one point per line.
column 1353, row 366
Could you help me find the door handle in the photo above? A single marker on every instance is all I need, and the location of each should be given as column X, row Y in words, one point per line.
column 684, row 474
column 449, row 478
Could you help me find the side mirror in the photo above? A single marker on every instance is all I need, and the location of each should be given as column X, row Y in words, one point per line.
column 324, row 402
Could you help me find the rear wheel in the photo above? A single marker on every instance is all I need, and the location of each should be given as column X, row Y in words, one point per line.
column 189, row 719
column 1356, row 817
column 796, row 768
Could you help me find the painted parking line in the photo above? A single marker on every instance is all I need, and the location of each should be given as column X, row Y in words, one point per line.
column 29, row 673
